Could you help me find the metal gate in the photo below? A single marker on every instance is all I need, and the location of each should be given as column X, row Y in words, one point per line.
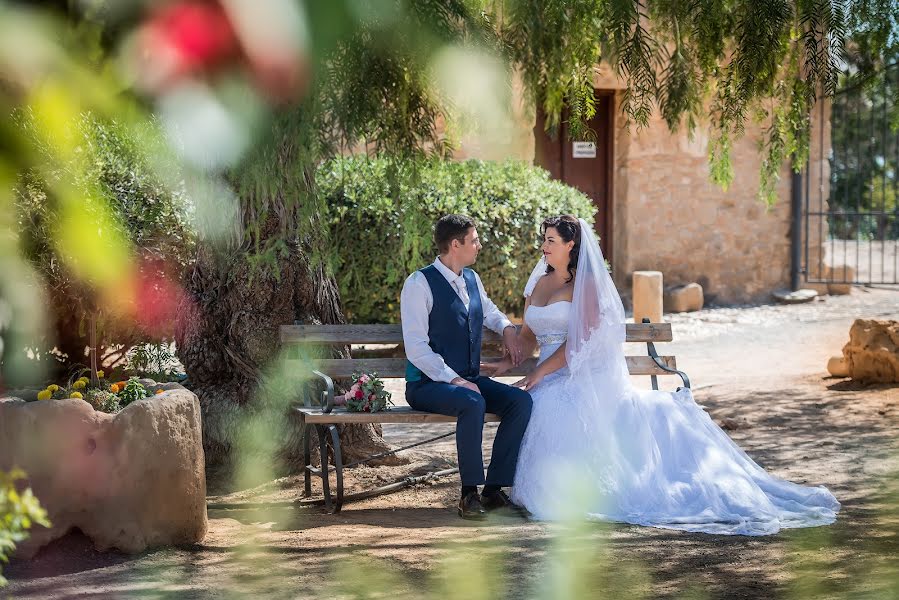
column 852, row 225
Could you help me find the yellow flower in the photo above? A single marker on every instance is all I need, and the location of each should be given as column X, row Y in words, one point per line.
column 86, row 380
column 44, row 395
column 52, row 388
column 159, row 391
column 79, row 385
column 101, row 374
column 77, row 395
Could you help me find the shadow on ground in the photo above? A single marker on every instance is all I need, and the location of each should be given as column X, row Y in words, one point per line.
column 810, row 430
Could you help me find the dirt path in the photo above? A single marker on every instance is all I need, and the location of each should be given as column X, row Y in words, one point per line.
column 762, row 367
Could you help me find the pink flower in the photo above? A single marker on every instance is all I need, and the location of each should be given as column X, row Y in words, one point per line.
column 371, row 397
column 190, row 36
column 365, row 379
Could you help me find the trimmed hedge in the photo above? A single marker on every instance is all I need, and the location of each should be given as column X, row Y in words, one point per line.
column 377, row 240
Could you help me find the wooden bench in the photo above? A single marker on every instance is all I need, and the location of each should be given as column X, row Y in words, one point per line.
column 325, row 417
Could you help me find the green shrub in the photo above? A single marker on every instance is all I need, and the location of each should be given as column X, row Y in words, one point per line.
column 18, row 512
column 134, row 391
column 382, row 214
column 114, row 168
column 156, row 361
column 102, row 400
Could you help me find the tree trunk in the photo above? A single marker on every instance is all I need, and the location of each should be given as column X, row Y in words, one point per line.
column 69, row 342
column 228, row 340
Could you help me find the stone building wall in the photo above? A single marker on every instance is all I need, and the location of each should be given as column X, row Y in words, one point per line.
column 668, row 216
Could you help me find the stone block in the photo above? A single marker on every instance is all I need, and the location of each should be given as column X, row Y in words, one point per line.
column 795, row 297
column 822, row 289
column 684, row 298
column 841, row 272
column 872, row 353
column 131, row 481
column 837, row 366
column 839, row 289
column 817, row 271
column 647, row 296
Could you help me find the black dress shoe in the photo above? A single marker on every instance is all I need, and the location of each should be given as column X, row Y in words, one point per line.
column 470, row 507
column 499, row 503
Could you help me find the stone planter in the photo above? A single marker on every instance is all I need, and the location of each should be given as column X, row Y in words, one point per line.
column 130, row 481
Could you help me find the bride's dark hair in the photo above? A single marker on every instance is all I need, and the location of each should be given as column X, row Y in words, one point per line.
column 569, row 229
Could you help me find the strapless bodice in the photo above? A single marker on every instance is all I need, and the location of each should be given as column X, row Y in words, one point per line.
column 549, row 324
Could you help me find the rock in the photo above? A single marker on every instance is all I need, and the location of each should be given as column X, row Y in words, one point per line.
column 839, row 289
column 844, row 273
column 820, row 272
column 819, row 288
column 837, row 366
column 26, row 395
column 797, row 297
column 826, row 273
column 684, row 298
column 647, row 296
column 731, row 424
column 872, row 353
column 131, row 481
column 171, row 385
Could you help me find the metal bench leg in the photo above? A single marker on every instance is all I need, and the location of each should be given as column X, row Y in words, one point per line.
column 323, row 449
column 338, row 466
column 307, row 460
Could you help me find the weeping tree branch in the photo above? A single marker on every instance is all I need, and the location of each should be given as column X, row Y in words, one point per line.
column 748, row 59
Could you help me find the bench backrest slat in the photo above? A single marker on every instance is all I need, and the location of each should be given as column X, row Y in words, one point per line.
column 393, row 334
column 396, row 367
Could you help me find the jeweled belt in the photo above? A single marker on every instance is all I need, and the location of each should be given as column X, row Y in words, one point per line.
column 551, row 338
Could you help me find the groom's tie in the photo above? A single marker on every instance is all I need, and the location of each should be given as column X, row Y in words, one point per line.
column 462, row 290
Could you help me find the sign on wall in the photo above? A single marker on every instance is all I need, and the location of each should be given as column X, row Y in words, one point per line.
column 583, row 149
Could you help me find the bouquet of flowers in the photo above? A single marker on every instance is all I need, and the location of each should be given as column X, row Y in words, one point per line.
column 367, row 394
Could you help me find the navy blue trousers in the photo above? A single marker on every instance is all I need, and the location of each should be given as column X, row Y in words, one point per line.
column 513, row 405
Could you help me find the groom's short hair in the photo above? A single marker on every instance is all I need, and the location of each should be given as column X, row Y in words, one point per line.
column 449, row 228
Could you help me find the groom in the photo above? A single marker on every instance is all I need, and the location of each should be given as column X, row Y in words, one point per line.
column 443, row 309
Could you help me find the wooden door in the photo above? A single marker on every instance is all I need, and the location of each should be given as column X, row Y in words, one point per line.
column 587, row 167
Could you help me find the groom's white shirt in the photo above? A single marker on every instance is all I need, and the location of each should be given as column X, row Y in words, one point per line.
column 416, row 302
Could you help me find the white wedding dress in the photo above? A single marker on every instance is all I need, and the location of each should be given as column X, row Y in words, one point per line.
column 609, row 451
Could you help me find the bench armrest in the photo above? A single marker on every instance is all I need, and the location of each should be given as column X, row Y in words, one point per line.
column 655, row 358
column 327, row 401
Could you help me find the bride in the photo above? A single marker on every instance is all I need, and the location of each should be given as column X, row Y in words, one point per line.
column 644, row 457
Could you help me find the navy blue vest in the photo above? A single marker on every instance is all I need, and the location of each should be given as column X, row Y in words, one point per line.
column 453, row 332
